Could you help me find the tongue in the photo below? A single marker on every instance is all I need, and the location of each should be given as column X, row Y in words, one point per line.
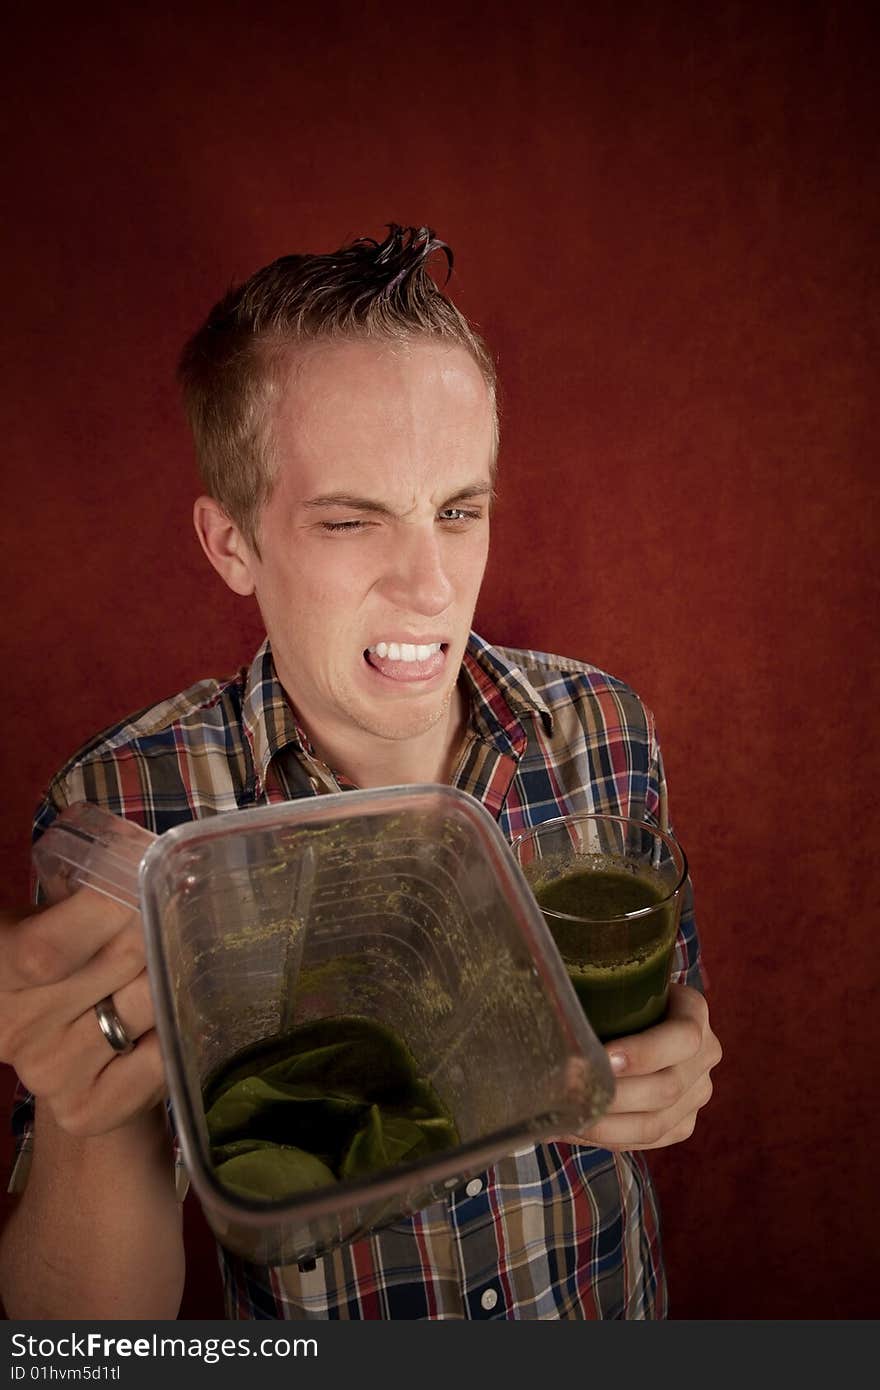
column 406, row 670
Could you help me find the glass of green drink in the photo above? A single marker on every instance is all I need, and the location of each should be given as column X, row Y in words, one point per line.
column 610, row 890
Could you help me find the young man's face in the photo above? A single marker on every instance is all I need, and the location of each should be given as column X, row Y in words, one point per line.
column 374, row 541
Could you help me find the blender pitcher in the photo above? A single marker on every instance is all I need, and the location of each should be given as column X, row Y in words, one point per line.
column 402, row 905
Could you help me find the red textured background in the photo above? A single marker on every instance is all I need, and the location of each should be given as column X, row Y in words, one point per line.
column 665, row 220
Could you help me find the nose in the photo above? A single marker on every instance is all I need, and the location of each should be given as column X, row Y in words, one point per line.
column 416, row 579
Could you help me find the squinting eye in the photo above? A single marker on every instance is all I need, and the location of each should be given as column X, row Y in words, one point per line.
column 343, row 525
column 458, row 514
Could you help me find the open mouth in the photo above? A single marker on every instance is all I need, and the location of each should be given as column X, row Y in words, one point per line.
column 404, row 651
column 407, row 661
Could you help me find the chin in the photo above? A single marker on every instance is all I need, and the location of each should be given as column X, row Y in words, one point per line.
column 399, row 724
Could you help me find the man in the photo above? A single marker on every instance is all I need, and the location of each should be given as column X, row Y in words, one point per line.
column 345, row 422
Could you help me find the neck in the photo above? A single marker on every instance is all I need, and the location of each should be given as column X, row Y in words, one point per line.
column 429, row 757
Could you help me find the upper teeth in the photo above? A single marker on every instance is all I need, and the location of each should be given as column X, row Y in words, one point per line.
column 405, row 651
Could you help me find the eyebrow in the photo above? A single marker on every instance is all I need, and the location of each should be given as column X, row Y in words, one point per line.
column 369, row 504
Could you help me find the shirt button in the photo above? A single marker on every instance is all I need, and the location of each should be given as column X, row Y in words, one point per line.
column 489, row 1299
column 474, row 1187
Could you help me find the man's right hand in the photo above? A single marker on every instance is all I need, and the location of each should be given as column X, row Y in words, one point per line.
column 55, row 966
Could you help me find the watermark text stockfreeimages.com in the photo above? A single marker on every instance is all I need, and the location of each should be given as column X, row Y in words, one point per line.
column 95, row 1346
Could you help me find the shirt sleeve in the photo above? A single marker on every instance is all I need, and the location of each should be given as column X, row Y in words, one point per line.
column 687, row 965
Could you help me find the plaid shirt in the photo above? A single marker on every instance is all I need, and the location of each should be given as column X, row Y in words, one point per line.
column 556, row 1230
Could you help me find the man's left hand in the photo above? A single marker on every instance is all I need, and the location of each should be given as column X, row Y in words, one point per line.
column 662, row 1077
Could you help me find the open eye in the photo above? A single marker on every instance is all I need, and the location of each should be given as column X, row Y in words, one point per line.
column 455, row 515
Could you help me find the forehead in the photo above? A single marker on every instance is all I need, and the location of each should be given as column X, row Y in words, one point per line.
column 384, row 411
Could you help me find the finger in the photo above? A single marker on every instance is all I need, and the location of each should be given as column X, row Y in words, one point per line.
column 35, row 1024
column 650, row 1129
column 676, row 1039
column 117, row 963
column 128, row 1084
column 67, row 1055
column 134, row 1009
column 50, row 945
column 41, row 1034
column 660, row 1090
column 677, row 1135
column 687, row 1002
column 134, row 1005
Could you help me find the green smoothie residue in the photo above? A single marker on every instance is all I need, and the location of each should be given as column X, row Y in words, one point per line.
column 336, row 1099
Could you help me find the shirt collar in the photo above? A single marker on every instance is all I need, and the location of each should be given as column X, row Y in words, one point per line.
column 267, row 715
column 501, row 699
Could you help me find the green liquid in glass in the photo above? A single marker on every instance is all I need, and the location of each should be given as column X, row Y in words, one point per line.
column 619, row 971
column 337, row 1099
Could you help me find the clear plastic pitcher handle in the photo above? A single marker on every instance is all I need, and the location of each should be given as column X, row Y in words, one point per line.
column 89, row 847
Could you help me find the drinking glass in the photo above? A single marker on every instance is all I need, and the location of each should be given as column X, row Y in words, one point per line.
column 610, row 890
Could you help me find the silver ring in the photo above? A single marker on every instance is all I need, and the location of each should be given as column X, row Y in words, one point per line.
column 112, row 1027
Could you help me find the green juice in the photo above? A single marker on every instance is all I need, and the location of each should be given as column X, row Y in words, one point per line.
column 335, row 1100
column 619, row 970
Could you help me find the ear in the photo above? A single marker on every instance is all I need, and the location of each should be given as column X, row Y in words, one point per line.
column 225, row 546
